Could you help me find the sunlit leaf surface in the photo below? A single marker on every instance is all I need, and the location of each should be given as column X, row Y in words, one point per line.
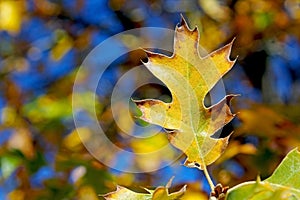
column 190, row 77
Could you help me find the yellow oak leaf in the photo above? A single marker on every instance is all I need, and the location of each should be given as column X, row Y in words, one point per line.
column 190, row 77
column 160, row 193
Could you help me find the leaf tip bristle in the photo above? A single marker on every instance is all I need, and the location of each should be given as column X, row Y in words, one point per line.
column 182, row 20
column 168, row 185
column 229, row 98
column 229, row 51
column 119, row 187
column 224, row 51
column 258, row 180
column 237, row 113
column 146, row 189
column 229, row 135
column 184, row 25
column 233, row 39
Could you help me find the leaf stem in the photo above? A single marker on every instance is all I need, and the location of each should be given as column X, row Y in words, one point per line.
column 209, row 180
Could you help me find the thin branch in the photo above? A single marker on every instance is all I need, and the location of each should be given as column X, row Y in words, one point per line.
column 210, row 182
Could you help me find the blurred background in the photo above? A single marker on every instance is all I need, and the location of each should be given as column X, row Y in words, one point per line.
column 44, row 42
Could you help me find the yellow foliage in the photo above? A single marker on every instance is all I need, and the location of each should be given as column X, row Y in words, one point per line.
column 154, row 151
column 274, row 124
column 74, row 142
column 235, row 148
column 63, row 45
column 87, row 193
column 194, row 192
column 16, row 195
column 11, row 15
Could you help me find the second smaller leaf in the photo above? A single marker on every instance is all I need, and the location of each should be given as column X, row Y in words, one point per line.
column 160, row 193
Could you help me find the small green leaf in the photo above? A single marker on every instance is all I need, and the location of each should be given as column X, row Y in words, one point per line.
column 284, row 183
column 9, row 164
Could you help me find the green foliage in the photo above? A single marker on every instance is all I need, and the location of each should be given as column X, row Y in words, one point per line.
column 282, row 184
column 8, row 164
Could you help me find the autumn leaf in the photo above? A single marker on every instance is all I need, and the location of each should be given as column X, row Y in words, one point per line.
column 284, row 183
column 190, row 77
column 160, row 193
